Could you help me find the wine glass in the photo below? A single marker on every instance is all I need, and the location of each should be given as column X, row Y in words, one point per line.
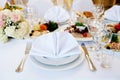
column 63, row 3
column 67, row 5
column 100, row 37
column 32, row 15
column 105, row 56
column 58, row 2
column 94, row 28
column 98, row 12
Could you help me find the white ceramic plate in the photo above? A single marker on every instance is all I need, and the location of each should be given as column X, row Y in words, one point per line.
column 110, row 21
column 67, row 66
column 56, row 61
column 84, row 39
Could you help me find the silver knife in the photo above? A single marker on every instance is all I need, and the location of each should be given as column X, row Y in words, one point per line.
column 27, row 50
column 90, row 63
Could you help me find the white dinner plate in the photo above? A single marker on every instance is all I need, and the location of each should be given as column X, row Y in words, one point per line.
column 56, row 61
column 84, row 39
column 110, row 21
column 67, row 66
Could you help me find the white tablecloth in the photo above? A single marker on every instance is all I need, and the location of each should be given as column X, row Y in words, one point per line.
column 11, row 53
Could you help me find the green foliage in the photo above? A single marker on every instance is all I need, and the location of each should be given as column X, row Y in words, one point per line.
column 79, row 24
column 52, row 26
column 11, row 7
column 114, row 38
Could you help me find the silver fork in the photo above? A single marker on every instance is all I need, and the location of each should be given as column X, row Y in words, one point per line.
column 22, row 62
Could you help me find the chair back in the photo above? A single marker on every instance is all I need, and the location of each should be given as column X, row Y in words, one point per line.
column 106, row 3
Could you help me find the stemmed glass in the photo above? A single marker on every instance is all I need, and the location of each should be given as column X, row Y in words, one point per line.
column 63, row 3
column 96, row 25
column 105, row 56
column 32, row 15
column 98, row 12
column 94, row 29
column 67, row 5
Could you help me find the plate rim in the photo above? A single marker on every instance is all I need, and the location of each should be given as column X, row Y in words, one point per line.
column 52, row 64
column 68, row 66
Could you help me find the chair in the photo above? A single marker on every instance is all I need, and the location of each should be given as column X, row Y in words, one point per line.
column 106, row 3
column 118, row 2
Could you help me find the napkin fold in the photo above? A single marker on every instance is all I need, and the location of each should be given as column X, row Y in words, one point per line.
column 55, row 45
column 57, row 14
column 113, row 13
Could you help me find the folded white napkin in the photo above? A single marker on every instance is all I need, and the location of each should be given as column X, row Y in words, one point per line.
column 56, row 14
column 113, row 13
column 55, row 45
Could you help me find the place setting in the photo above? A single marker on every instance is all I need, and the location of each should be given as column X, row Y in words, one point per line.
column 55, row 56
column 65, row 43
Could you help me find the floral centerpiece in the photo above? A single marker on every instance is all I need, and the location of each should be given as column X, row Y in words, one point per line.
column 12, row 24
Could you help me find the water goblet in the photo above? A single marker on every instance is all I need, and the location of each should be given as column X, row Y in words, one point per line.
column 105, row 56
column 67, row 5
column 94, row 28
column 32, row 15
column 107, row 59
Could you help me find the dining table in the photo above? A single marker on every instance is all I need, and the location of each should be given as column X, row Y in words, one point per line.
column 12, row 52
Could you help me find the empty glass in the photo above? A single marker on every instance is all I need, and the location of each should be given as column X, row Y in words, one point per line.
column 105, row 56
column 107, row 59
column 32, row 15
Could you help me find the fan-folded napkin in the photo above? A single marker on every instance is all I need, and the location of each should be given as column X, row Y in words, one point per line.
column 56, row 14
column 113, row 13
column 55, row 45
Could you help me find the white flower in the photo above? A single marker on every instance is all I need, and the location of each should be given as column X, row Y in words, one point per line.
column 10, row 31
column 22, row 30
column 20, row 33
column 2, row 16
column 3, row 38
column 13, row 24
column 20, row 13
column 6, row 12
column 15, row 17
column 1, row 31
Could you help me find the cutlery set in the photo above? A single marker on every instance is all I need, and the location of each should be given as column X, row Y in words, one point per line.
column 27, row 50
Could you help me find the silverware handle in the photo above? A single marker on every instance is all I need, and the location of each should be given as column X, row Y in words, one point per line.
column 90, row 63
column 21, row 65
